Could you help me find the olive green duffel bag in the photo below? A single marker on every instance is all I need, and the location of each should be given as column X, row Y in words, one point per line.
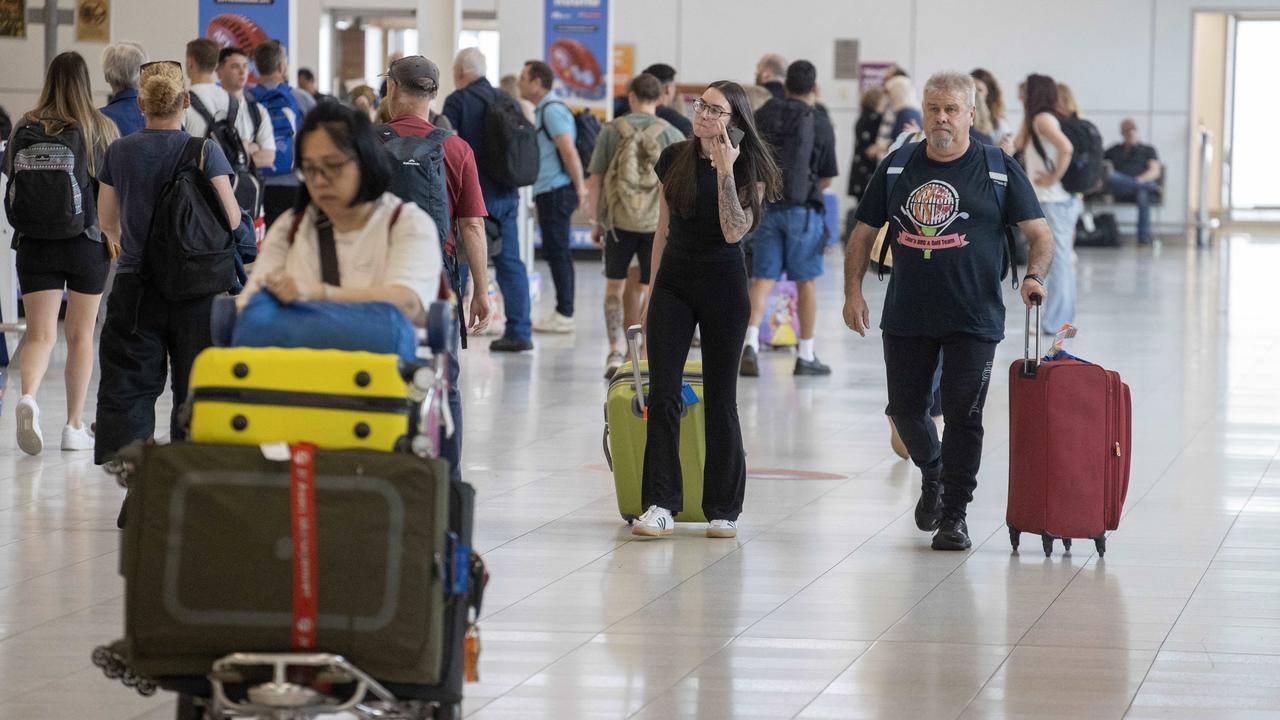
column 208, row 558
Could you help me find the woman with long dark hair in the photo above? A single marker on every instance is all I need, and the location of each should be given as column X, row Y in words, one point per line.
column 712, row 189
column 72, row 259
column 1046, row 153
column 990, row 95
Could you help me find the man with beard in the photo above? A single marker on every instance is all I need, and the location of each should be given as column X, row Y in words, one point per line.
column 948, row 201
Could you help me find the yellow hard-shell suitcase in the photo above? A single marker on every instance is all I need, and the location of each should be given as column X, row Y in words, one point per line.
column 334, row 399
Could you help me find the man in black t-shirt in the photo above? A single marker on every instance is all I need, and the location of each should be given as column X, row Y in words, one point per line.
column 792, row 233
column 1135, row 175
column 945, row 294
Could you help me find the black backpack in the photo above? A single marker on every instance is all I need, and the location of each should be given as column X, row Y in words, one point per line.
column 49, row 193
column 191, row 251
column 510, row 154
column 246, row 182
column 586, row 130
column 1085, row 173
column 788, row 126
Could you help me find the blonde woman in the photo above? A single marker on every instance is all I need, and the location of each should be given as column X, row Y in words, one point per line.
column 56, row 254
column 902, row 116
column 144, row 333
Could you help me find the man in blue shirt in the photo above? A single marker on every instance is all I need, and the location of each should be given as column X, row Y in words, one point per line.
column 559, row 190
column 121, row 64
column 465, row 108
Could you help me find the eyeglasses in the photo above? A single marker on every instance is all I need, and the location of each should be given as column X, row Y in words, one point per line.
column 712, row 111
column 327, row 169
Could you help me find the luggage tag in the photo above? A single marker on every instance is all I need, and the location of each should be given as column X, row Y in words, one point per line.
column 275, row 452
column 689, row 396
column 1067, row 332
column 471, row 654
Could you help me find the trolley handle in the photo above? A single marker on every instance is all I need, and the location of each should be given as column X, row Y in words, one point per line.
column 1031, row 363
column 634, row 333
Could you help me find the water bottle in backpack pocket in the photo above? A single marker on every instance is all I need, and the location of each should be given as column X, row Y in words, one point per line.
column 48, row 194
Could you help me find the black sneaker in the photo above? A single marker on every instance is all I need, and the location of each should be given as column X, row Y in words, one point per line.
column 510, row 345
column 750, row 365
column 929, row 508
column 811, row 367
column 953, row 534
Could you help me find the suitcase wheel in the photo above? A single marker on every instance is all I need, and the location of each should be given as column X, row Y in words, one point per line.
column 1100, row 544
column 1015, row 536
column 1047, row 541
column 448, row 711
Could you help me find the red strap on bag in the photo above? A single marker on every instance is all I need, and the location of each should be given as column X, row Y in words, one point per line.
column 302, row 508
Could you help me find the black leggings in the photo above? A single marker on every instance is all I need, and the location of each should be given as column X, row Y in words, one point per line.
column 966, row 376
column 142, row 336
column 713, row 296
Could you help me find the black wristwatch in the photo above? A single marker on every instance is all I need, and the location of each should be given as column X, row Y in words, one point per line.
column 1033, row 276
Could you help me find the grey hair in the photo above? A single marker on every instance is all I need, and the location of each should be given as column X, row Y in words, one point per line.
column 957, row 83
column 122, row 64
column 471, row 63
column 775, row 64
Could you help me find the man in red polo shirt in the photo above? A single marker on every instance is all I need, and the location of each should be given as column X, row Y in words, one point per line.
column 450, row 194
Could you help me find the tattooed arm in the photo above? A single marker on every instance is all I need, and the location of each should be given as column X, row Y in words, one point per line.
column 735, row 220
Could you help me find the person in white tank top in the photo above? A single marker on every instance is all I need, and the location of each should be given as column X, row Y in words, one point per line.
column 1046, row 155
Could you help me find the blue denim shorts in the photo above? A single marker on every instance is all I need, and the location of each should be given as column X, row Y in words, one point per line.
column 788, row 240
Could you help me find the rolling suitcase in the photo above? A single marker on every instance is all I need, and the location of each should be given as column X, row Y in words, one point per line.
column 1070, row 433
column 334, row 399
column 626, row 433
column 211, row 559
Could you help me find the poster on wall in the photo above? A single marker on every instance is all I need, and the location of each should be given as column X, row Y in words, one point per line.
column 93, row 21
column 579, row 51
column 245, row 25
column 13, row 18
column 624, row 68
column 872, row 75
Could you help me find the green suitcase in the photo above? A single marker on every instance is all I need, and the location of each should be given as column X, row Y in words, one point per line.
column 207, row 560
column 626, row 432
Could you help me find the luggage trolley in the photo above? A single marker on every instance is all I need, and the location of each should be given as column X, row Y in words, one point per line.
column 303, row 685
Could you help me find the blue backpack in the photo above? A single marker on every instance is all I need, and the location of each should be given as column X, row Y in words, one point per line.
column 275, row 101
column 996, row 170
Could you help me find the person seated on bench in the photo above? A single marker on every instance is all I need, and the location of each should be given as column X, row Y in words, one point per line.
column 1135, row 175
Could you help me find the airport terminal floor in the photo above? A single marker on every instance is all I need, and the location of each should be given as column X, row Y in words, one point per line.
column 830, row 603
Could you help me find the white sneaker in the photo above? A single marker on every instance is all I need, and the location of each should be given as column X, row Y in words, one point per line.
column 80, row 438
column 655, row 522
column 722, row 529
column 554, row 323
column 30, row 439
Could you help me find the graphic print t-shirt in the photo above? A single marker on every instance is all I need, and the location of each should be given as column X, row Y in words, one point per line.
column 948, row 243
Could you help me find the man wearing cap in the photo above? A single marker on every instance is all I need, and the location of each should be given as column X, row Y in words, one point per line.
column 412, row 83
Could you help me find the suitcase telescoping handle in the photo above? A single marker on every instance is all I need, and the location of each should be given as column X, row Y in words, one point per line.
column 634, row 333
column 1031, row 363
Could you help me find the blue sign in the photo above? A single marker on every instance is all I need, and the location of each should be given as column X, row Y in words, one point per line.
column 578, row 48
column 245, row 24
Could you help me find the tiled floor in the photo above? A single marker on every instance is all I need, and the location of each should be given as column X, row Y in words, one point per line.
column 830, row 604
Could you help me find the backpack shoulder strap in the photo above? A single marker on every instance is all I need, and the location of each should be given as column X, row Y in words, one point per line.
column 385, row 132
column 897, row 163
column 998, row 171
column 198, row 105
column 656, row 129
column 329, row 274
column 624, row 127
column 255, row 113
column 233, row 109
column 438, row 136
column 192, row 152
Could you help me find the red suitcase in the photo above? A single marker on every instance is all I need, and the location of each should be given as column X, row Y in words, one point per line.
column 1070, row 432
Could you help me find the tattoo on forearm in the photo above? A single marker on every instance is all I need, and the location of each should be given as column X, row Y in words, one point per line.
column 613, row 317
column 735, row 220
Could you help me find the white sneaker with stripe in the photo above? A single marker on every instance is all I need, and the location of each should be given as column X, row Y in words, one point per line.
column 655, row 522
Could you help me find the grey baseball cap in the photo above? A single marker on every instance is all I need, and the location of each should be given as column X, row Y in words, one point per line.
column 415, row 73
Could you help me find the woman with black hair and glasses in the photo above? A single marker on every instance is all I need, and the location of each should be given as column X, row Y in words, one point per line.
column 145, row 333
column 712, row 188
column 387, row 250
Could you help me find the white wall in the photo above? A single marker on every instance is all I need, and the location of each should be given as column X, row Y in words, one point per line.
column 1122, row 57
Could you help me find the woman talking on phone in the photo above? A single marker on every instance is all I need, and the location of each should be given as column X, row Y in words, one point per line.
column 712, row 187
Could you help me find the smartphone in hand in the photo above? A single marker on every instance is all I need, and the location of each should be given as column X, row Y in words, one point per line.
column 735, row 136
